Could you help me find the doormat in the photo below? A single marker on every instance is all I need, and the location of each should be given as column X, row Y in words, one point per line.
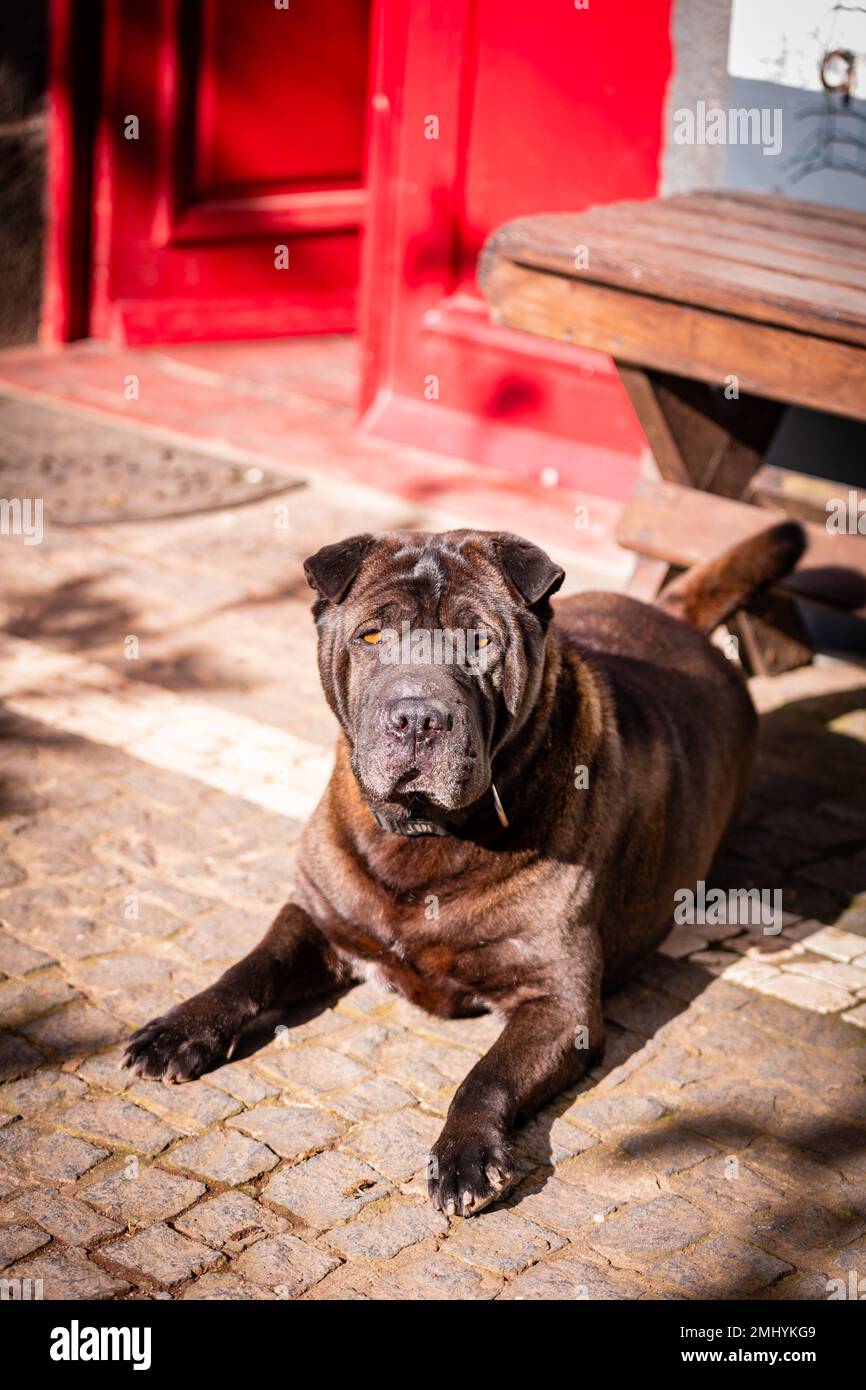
column 88, row 473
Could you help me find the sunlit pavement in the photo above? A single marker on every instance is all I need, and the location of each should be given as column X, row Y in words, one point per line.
column 164, row 735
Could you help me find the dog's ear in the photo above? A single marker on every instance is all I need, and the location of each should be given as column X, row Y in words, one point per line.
column 331, row 570
column 533, row 574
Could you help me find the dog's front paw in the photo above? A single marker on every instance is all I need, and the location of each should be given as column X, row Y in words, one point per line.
column 466, row 1173
column 179, row 1046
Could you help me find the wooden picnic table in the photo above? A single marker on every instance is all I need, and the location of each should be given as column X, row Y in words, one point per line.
column 720, row 309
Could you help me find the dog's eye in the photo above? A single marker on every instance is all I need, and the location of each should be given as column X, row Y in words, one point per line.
column 483, row 640
column 372, row 637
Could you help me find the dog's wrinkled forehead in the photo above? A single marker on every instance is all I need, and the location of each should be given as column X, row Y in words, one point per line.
column 507, row 568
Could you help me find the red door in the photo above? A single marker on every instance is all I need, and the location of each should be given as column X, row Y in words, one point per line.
column 485, row 110
column 229, row 188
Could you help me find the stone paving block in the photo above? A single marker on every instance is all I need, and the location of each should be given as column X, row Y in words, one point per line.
column 41, row 1093
column 649, row 1231
column 845, row 1259
column 68, row 1275
column 668, row 1150
column 11, row 873
column 624, row 1053
column 721, row 1267
column 641, row 1010
column 190, row 1108
column 371, row 997
column 365, row 1042
column 17, row 958
column 223, row 1156
column 64, row 1217
column 727, row 1185
column 292, row 1131
column 27, row 907
column 17, row 1241
column 77, row 1029
column 611, row 1173
column 715, row 962
column 298, row 1026
column 501, row 1241
column 224, row 934
column 856, row 1016
column 544, row 1142
column 52, row 1157
column 752, row 974
column 50, row 849
column 117, row 1123
column 285, row 1263
column 231, row 1220
column 398, row 1145
column 17, row 1057
column 110, row 976
column 424, row 1066
column 847, row 976
column 75, row 937
column 142, row 1003
column 835, row 943
column 731, row 1110
column 218, row 1287
column 721, row 996
column 311, row 1068
column 106, row 1070
column 680, row 943
column 23, row 1001
column 808, row 1029
column 793, row 1288
column 438, row 1278
column 854, row 916
column 568, row 1279
column 379, row 1233
column 479, row 1033
column 809, row 992
column 377, row 1096
column 138, row 1194
column 676, row 1066
column 804, row 1231
column 327, row 1188
column 246, row 1086
column 563, row 1206
column 161, row 1254
column 610, row 1113
column 787, row 1167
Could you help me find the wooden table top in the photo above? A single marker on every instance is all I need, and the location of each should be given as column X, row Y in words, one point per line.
column 747, row 254
column 767, row 276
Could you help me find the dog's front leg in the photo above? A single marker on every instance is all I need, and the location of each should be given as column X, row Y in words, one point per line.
column 547, row 1045
column 292, row 962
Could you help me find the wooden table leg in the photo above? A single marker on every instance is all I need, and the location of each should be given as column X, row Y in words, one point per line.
column 700, row 438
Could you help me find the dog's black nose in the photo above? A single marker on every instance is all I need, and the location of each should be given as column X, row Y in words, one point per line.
column 417, row 720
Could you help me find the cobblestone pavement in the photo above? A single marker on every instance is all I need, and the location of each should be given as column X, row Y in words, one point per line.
column 163, row 738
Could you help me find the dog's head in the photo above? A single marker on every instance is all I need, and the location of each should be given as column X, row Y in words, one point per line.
column 431, row 653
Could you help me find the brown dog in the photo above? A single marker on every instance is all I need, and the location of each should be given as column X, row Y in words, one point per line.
column 505, row 828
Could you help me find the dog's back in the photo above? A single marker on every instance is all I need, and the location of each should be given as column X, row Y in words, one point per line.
column 682, row 723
